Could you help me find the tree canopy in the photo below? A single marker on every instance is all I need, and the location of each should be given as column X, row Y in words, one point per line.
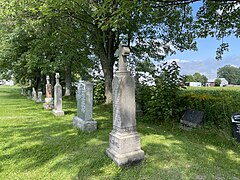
column 196, row 77
column 230, row 73
column 43, row 37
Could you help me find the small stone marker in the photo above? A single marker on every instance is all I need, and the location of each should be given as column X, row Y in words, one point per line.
column 124, row 141
column 34, row 94
column 39, row 97
column 84, row 97
column 191, row 119
column 49, row 99
column 57, row 111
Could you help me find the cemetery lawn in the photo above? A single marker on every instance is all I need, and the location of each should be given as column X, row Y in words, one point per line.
column 36, row 145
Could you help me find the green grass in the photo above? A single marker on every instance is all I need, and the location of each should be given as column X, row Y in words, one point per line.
column 36, row 145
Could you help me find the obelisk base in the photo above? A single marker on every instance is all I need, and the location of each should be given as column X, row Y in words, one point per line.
column 48, row 103
column 125, row 148
column 57, row 112
column 84, row 125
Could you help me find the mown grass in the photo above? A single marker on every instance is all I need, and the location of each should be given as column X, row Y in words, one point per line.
column 36, row 145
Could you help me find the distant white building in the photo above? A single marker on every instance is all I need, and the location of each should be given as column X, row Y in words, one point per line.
column 224, row 82
column 194, row 84
column 6, row 82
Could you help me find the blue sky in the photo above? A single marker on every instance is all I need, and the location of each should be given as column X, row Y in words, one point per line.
column 203, row 60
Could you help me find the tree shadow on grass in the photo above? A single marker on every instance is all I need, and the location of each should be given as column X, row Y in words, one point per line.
column 199, row 154
column 41, row 143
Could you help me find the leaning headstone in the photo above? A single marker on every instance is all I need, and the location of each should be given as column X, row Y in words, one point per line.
column 34, row 94
column 49, row 99
column 191, row 119
column 124, row 141
column 57, row 111
column 39, row 97
column 84, row 97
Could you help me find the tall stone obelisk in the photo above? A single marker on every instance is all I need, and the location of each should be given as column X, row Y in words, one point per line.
column 124, row 141
column 57, row 111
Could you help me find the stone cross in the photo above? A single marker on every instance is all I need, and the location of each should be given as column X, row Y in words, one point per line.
column 49, row 99
column 123, row 52
column 84, row 97
column 57, row 111
column 124, row 141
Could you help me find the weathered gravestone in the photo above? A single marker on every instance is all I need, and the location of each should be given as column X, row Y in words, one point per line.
column 39, row 97
column 191, row 119
column 84, row 97
column 34, row 94
column 124, row 141
column 49, row 99
column 236, row 126
column 57, row 111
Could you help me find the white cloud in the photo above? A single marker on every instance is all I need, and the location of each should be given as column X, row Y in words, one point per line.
column 206, row 67
column 178, row 61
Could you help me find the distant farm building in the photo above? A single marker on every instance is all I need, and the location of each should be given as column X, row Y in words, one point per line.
column 210, row 84
column 194, row 84
column 224, row 82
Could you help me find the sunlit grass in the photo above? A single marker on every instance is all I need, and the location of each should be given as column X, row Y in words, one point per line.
column 36, row 145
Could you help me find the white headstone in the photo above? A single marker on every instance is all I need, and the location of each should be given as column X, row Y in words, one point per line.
column 84, row 97
column 39, row 97
column 57, row 111
column 124, row 141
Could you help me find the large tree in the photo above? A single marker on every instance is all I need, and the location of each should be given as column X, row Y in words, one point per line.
column 219, row 19
column 230, row 73
column 151, row 27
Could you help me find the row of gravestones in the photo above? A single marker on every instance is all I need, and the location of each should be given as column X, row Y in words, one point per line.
column 124, row 141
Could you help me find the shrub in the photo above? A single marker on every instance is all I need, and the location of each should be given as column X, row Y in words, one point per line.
column 159, row 102
column 99, row 92
column 218, row 105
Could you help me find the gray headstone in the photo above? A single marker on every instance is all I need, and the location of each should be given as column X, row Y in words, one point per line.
column 57, row 111
column 23, row 91
column 191, row 119
column 84, row 97
column 29, row 93
column 124, row 141
column 49, row 99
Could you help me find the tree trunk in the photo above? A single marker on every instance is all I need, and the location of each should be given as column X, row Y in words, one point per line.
column 68, row 80
column 106, row 47
column 108, row 74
